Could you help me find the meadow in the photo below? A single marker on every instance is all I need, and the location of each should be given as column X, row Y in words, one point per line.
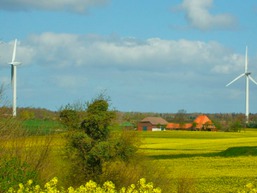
column 204, row 161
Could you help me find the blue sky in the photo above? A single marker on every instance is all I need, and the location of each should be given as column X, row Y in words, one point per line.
column 147, row 55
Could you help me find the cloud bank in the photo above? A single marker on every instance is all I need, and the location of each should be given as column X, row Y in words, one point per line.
column 155, row 69
column 95, row 51
column 77, row 6
column 199, row 16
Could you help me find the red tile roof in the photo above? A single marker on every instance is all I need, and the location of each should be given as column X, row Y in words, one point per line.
column 202, row 120
column 179, row 126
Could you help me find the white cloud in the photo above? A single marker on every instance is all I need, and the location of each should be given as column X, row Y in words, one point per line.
column 70, row 66
column 199, row 16
column 68, row 50
column 78, row 6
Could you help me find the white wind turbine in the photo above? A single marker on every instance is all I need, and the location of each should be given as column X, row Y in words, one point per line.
column 13, row 64
column 247, row 75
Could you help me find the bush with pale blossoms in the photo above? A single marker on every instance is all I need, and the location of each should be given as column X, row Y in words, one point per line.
column 90, row 187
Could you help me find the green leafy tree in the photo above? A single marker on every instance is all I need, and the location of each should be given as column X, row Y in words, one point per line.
column 93, row 145
column 70, row 118
column 97, row 119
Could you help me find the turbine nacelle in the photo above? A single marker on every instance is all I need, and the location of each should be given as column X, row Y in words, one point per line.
column 15, row 63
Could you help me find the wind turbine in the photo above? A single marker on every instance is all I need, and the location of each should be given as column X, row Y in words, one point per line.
column 247, row 75
column 13, row 64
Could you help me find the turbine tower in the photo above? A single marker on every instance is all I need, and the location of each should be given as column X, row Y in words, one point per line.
column 247, row 75
column 13, row 64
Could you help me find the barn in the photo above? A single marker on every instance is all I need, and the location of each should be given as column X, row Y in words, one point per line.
column 201, row 123
column 152, row 124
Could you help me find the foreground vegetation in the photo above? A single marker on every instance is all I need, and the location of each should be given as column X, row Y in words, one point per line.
column 87, row 144
column 176, row 161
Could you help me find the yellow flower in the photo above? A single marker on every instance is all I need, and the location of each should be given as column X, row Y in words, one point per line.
column 249, row 185
column 29, row 182
column 108, row 185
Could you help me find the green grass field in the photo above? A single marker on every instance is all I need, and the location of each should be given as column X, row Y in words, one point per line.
column 214, row 161
column 42, row 127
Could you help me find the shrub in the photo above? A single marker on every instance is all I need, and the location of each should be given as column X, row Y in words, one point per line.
column 13, row 171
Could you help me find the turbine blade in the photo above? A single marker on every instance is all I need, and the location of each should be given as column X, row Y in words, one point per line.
column 246, row 59
column 14, row 51
column 252, row 79
column 240, row 76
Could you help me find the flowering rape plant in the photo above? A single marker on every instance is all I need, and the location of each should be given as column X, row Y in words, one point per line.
column 249, row 188
column 89, row 187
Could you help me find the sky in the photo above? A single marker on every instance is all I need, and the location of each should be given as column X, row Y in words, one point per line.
column 146, row 56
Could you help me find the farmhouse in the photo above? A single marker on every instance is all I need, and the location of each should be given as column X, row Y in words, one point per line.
column 201, row 123
column 152, row 124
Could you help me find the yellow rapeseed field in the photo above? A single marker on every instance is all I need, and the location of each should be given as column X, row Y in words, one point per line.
column 213, row 161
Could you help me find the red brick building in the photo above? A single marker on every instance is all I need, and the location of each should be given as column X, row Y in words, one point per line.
column 151, row 124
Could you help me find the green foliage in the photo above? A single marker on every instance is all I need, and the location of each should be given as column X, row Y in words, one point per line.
column 98, row 119
column 96, row 126
column 14, row 171
column 70, row 118
column 126, row 144
column 93, row 146
column 236, row 126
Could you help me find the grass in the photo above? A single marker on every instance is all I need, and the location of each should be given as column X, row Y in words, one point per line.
column 217, row 161
column 42, row 127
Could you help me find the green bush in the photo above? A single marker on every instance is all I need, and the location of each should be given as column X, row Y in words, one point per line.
column 13, row 171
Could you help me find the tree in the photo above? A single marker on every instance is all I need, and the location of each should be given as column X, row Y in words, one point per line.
column 97, row 119
column 69, row 118
column 92, row 146
column 70, row 115
column 180, row 117
column 236, row 126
